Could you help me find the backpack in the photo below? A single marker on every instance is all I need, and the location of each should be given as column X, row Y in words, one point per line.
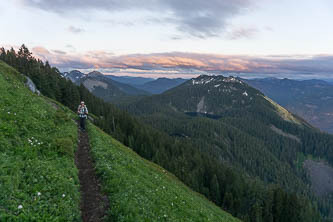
column 83, row 111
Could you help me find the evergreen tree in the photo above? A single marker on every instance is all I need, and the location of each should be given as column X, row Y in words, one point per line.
column 215, row 190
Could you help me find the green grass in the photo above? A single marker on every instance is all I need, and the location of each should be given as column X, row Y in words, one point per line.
column 38, row 177
column 285, row 114
column 139, row 190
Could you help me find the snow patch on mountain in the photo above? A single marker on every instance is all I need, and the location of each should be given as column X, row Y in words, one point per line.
column 201, row 81
column 232, row 79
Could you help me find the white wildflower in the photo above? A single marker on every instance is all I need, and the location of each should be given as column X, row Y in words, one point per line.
column 63, row 195
column 19, row 207
column 38, row 194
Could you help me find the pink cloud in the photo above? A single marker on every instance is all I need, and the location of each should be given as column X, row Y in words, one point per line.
column 195, row 61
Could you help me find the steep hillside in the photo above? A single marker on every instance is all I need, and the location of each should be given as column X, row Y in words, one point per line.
column 310, row 99
column 241, row 127
column 142, row 191
column 225, row 115
column 38, row 177
column 39, row 180
column 103, row 86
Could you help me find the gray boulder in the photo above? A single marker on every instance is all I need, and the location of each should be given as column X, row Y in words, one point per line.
column 31, row 85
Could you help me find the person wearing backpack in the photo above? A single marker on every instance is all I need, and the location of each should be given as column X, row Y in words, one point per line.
column 82, row 112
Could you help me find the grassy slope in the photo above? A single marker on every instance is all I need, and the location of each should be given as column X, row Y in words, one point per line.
column 36, row 155
column 37, row 144
column 142, row 191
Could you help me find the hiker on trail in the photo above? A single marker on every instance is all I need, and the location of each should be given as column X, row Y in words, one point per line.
column 83, row 112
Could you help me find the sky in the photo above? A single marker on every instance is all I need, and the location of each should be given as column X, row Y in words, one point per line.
column 176, row 38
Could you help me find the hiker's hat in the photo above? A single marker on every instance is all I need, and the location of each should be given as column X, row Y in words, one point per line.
column 82, row 102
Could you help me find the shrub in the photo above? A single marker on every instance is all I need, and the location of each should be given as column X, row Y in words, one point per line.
column 65, row 146
column 61, row 117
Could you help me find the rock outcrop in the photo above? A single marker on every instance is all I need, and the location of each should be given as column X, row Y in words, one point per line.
column 31, row 85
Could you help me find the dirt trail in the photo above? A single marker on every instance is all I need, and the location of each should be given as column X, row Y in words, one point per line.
column 93, row 203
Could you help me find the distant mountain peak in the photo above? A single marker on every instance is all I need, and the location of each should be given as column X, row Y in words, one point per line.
column 95, row 73
column 202, row 80
column 206, row 79
column 74, row 76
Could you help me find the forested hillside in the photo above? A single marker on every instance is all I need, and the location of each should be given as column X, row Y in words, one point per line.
column 228, row 186
column 103, row 86
column 241, row 127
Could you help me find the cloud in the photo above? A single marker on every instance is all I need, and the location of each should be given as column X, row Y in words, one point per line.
column 41, row 51
column 269, row 28
column 122, row 23
column 205, row 18
column 191, row 62
column 71, row 48
column 75, row 30
column 242, row 33
column 196, row 18
column 59, row 52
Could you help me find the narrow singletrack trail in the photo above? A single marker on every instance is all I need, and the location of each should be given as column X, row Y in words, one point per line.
column 94, row 204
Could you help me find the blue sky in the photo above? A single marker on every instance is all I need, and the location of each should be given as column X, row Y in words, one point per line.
column 130, row 37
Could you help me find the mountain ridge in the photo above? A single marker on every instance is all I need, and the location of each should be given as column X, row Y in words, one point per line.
column 310, row 99
column 103, row 86
column 226, row 115
column 160, row 85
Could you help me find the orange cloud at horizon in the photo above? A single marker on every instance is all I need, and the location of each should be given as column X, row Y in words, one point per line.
column 196, row 61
